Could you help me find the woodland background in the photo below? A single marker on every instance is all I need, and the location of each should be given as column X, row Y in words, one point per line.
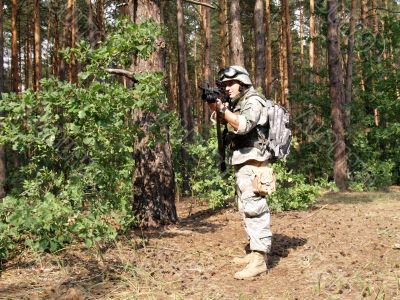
column 103, row 126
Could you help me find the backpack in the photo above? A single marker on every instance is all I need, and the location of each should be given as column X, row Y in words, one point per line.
column 276, row 119
column 279, row 135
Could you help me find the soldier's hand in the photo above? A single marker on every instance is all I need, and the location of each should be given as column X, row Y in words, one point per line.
column 219, row 105
column 212, row 106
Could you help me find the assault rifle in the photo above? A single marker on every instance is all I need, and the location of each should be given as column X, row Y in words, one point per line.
column 210, row 95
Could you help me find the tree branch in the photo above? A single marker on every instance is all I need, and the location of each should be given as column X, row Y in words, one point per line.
column 200, row 3
column 385, row 9
column 122, row 72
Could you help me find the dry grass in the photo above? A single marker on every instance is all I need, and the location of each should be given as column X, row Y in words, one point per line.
column 341, row 249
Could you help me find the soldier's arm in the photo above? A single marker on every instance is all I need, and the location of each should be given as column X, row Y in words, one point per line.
column 229, row 116
column 249, row 116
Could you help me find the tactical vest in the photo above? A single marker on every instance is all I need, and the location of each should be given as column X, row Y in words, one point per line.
column 258, row 136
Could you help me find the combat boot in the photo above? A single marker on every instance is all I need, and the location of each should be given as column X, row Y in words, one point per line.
column 256, row 266
column 243, row 260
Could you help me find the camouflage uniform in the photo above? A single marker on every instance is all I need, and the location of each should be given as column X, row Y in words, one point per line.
column 247, row 155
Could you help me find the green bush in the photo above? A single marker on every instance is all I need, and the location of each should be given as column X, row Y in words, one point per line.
column 207, row 181
column 292, row 190
column 373, row 175
column 71, row 148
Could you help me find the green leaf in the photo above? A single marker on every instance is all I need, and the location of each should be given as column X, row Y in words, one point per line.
column 81, row 114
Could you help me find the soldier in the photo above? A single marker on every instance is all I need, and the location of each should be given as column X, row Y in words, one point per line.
column 247, row 139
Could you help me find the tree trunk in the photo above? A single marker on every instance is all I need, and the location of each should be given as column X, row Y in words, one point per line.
column 259, row 32
column 64, row 44
column 73, row 72
column 171, row 58
column 1, row 49
column 184, row 89
column 48, row 37
column 56, row 47
column 283, row 67
column 100, row 20
column 19, row 45
column 288, row 36
column 198, row 100
column 2, row 150
column 237, row 55
column 206, row 25
column 374, row 17
column 301, row 32
column 27, row 58
column 376, row 31
column 37, row 71
column 92, row 40
column 223, row 33
column 336, row 95
column 14, row 48
column 312, row 37
column 153, row 178
column 268, row 51
column 364, row 13
column 349, row 67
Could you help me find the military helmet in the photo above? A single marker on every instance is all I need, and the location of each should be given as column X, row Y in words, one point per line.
column 234, row 73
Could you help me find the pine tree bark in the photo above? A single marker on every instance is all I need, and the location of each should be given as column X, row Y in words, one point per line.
column 100, row 20
column 283, row 69
column 92, row 40
column 185, row 107
column 312, row 37
column 197, row 97
column 288, row 36
column 223, row 33
column 37, row 71
column 1, row 49
column 349, row 65
column 374, row 17
column 3, row 172
column 301, row 33
column 337, row 98
column 65, row 38
column 206, row 73
column 73, row 72
column 268, row 50
column 153, row 178
column 48, row 37
column 364, row 13
column 259, row 32
column 27, row 58
column 56, row 47
column 14, row 47
column 237, row 54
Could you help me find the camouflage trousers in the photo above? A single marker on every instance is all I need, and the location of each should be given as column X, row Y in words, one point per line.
column 253, row 208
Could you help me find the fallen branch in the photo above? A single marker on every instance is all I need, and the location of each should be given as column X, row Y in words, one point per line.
column 162, row 248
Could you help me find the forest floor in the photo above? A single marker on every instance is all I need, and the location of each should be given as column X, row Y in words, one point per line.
column 345, row 247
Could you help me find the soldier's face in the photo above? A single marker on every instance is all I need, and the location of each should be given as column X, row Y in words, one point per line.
column 232, row 88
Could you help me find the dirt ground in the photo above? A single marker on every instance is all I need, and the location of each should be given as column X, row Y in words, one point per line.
column 342, row 248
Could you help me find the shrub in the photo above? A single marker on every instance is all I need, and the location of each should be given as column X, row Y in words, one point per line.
column 72, row 145
column 292, row 191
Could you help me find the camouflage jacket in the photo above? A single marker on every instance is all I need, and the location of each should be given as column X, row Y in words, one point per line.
column 249, row 142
